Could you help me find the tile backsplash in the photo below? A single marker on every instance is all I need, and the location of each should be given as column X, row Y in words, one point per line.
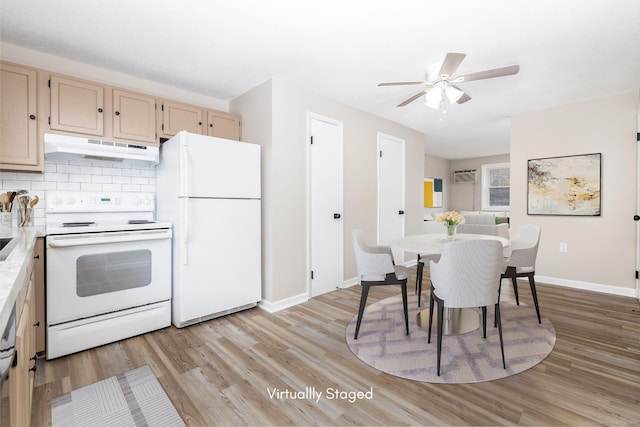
column 79, row 175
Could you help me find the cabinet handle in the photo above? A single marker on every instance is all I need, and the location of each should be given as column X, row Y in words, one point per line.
column 37, row 324
column 99, row 110
column 32, row 117
column 199, row 123
column 210, row 125
column 117, row 113
column 33, row 369
column 36, row 256
column 35, row 357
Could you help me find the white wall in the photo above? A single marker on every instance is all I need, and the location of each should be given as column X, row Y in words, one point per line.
column 601, row 250
column 437, row 167
column 468, row 196
column 287, row 171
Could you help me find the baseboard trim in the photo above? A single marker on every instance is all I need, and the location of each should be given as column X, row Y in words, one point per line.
column 596, row 287
column 273, row 306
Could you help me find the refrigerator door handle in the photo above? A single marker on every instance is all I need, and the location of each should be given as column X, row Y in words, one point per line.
column 184, row 160
column 184, row 227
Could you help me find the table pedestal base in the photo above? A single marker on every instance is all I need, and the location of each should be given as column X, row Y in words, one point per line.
column 456, row 320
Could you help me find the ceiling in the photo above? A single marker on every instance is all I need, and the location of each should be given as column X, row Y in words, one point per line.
column 568, row 51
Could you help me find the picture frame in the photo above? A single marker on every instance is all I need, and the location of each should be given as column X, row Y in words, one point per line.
column 565, row 185
column 433, row 193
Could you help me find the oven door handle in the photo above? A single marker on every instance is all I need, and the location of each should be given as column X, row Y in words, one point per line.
column 99, row 240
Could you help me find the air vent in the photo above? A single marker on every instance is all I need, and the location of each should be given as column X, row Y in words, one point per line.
column 464, row 176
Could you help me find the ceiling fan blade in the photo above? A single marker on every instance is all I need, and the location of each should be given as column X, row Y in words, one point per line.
column 451, row 63
column 413, row 98
column 489, row 74
column 399, row 83
column 464, row 98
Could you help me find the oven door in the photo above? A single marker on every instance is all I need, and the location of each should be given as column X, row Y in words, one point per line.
column 98, row 273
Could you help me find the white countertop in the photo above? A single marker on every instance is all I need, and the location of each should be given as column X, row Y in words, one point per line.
column 13, row 269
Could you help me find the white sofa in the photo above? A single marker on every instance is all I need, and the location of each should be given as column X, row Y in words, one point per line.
column 500, row 230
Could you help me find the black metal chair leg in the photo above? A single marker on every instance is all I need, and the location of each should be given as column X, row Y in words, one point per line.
column 515, row 288
column 363, row 302
column 418, row 273
column 419, row 281
column 430, row 314
column 504, row 363
column 405, row 304
column 484, row 321
column 440, row 331
column 532, row 284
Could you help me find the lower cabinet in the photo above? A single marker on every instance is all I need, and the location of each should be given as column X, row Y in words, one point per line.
column 22, row 375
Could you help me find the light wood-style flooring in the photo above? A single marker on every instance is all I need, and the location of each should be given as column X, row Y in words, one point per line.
column 221, row 372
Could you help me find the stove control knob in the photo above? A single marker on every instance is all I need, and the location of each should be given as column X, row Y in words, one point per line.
column 57, row 201
column 147, row 201
column 137, row 201
column 70, row 201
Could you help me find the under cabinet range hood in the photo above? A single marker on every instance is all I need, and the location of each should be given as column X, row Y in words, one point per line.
column 65, row 147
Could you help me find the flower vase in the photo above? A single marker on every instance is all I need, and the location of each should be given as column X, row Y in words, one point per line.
column 451, row 231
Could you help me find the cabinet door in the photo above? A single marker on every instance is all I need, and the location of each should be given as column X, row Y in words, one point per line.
column 20, row 411
column 18, row 130
column 134, row 116
column 178, row 117
column 39, row 302
column 77, row 106
column 223, row 125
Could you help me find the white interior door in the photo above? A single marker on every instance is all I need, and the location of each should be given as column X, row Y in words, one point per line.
column 325, row 205
column 390, row 190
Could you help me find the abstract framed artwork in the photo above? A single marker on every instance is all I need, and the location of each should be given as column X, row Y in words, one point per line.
column 432, row 193
column 568, row 185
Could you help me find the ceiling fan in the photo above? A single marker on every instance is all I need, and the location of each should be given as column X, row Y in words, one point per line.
column 445, row 84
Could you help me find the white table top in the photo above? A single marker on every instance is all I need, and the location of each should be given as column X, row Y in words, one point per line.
column 432, row 244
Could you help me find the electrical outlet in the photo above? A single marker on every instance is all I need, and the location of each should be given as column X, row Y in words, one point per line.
column 563, row 248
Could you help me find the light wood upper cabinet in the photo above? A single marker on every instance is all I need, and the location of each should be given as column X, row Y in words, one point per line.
column 177, row 117
column 18, row 125
column 223, row 125
column 134, row 116
column 77, row 106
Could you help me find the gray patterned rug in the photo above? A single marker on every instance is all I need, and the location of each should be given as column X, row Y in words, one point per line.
column 134, row 398
column 466, row 358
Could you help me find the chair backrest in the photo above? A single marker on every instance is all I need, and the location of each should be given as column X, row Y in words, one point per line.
column 501, row 230
column 468, row 273
column 372, row 262
column 433, row 227
column 524, row 246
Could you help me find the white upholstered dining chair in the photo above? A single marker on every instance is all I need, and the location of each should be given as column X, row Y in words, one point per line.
column 429, row 227
column 522, row 261
column 376, row 268
column 467, row 275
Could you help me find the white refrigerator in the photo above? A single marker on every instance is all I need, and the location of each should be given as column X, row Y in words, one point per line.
column 209, row 188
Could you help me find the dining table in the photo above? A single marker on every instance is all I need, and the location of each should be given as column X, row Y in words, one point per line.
column 456, row 320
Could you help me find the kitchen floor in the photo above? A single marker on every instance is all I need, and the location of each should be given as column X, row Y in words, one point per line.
column 220, row 372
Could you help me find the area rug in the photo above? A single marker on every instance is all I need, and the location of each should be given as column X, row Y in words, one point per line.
column 134, row 398
column 467, row 358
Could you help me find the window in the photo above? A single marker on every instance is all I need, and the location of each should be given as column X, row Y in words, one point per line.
column 495, row 186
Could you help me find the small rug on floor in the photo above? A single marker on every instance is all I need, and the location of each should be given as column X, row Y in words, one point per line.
column 134, row 398
column 467, row 358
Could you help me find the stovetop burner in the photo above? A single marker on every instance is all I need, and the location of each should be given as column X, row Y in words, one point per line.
column 92, row 212
column 141, row 221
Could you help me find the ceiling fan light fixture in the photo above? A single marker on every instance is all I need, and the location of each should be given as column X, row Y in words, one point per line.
column 434, row 98
column 453, row 94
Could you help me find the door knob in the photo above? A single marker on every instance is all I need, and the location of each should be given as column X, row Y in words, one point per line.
column 336, row 216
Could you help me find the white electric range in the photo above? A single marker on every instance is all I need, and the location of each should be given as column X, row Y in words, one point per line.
column 108, row 269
